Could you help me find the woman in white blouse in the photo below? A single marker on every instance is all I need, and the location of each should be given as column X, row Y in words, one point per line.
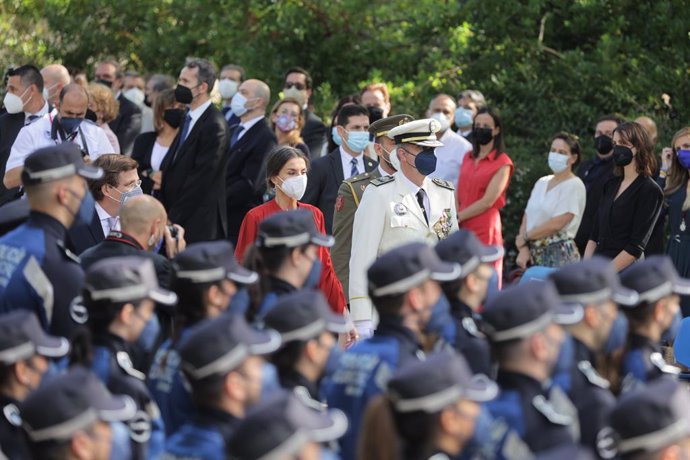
column 554, row 210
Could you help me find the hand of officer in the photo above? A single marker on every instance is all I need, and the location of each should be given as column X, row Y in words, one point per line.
column 174, row 246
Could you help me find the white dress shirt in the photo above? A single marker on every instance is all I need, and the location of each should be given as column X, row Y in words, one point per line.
column 346, row 158
column 196, row 114
column 414, row 188
column 247, row 126
column 40, row 113
column 104, row 217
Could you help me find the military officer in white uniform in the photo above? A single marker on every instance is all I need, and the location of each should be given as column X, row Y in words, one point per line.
column 407, row 206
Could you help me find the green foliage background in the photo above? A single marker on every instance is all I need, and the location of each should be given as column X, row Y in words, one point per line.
column 547, row 65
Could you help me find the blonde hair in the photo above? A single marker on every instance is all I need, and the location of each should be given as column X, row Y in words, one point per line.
column 104, row 101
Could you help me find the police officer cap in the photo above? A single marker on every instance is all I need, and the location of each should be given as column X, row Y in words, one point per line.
column 650, row 418
column 442, row 379
column 519, row 311
column 21, row 336
column 419, row 132
column 384, row 125
column 291, row 229
column 57, row 162
column 125, row 279
column 304, row 315
column 464, row 248
column 210, row 262
column 69, row 403
column 654, row 278
column 592, row 281
column 281, row 426
column 407, row 266
column 217, row 346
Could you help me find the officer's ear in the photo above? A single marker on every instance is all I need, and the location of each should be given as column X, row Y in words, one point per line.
column 81, row 445
column 447, row 420
column 538, row 346
column 126, row 313
column 591, row 317
column 233, row 387
column 21, row 373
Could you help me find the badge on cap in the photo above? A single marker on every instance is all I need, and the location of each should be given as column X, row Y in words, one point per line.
column 399, row 209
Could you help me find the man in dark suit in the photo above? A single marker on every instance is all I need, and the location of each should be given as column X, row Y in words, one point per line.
column 231, row 77
column 127, row 124
column 120, row 181
column 250, row 142
column 193, row 186
column 24, row 103
column 327, row 173
column 298, row 85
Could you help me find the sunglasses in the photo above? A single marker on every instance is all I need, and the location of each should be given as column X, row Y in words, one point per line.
column 291, row 84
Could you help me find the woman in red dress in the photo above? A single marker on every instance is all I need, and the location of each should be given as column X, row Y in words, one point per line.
column 286, row 172
column 484, row 177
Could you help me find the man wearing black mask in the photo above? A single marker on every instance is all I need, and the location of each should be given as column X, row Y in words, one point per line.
column 595, row 173
column 68, row 126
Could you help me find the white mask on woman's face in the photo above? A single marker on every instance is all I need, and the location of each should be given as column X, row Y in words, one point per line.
column 295, row 186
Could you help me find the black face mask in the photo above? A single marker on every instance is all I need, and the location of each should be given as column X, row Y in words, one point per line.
column 91, row 115
column 147, row 103
column 622, row 155
column 375, row 114
column 482, row 135
column 107, row 83
column 603, row 144
column 173, row 117
column 183, row 95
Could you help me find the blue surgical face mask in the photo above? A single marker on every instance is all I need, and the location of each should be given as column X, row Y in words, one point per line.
column 147, row 339
column 357, row 140
column 314, row 275
column 558, row 162
column 333, row 361
column 337, row 140
column 86, row 208
column 618, row 334
column 463, row 117
column 441, row 323
column 269, row 380
column 120, row 442
column 237, row 104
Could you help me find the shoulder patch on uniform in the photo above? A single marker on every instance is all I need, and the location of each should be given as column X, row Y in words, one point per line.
column 443, row 183
column 592, row 376
column 358, row 177
column 339, row 203
column 125, row 363
column 11, row 413
column 69, row 254
column 658, row 360
column 470, row 326
column 545, row 407
column 382, row 180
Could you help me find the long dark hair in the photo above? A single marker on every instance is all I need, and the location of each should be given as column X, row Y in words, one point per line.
column 278, row 157
column 499, row 146
column 638, row 137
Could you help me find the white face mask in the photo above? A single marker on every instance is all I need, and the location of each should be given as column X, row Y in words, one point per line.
column 227, row 88
column 441, row 118
column 558, row 162
column 395, row 161
column 299, row 95
column 294, row 187
column 135, row 95
column 237, row 105
column 46, row 91
column 14, row 103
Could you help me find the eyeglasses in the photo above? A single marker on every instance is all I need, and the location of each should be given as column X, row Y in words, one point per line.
column 291, row 84
column 132, row 185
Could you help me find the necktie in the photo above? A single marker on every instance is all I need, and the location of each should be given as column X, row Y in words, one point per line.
column 185, row 127
column 30, row 119
column 112, row 223
column 420, row 200
column 236, row 135
column 354, row 171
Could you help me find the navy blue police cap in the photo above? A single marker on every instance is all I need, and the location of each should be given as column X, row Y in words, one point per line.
column 217, row 346
column 281, row 426
column 519, row 311
column 654, row 278
column 464, row 248
column 69, row 403
column 291, row 229
column 210, row 262
column 304, row 315
column 57, row 162
column 21, row 336
column 435, row 383
column 408, row 266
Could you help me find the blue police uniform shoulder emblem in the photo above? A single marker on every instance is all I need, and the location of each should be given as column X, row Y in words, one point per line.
column 592, row 376
column 125, row 363
column 11, row 413
column 69, row 254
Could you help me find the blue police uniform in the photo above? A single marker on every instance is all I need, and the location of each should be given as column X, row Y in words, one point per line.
column 113, row 366
column 39, row 274
column 470, row 340
column 363, row 372
column 202, row 438
column 643, row 362
column 13, row 442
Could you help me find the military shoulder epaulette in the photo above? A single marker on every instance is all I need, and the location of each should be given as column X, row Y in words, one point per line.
column 443, row 183
column 382, row 180
column 358, row 177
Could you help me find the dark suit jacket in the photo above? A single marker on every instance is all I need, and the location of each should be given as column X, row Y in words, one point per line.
column 10, row 124
column 245, row 180
column 325, row 177
column 127, row 124
column 82, row 237
column 143, row 148
column 314, row 133
column 193, row 188
column 233, row 120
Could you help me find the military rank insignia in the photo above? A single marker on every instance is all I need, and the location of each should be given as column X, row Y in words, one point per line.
column 339, row 203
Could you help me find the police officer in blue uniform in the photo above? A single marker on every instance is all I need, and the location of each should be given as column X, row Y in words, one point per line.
column 119, row 298
column 523, row 325
column 24, row 353
column 404, row 287
column 286, row 426
column 658, row 286
column 309, row 329
column 467, row 295
column 72, row 416
column 221, row 359
column 206, row 280
column 651, row 422
column 594, row 285
column 39, row 273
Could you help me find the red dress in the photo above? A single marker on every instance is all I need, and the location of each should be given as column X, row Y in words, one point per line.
column 329, row 283
column 472, row 184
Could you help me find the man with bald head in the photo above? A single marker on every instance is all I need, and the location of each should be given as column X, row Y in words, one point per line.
column 55, row 77
column 193, row 171
column 250, row 142
column 144, row 227
column 67, row 126
column 451, row 153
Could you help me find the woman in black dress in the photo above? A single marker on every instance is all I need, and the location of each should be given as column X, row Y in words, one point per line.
column 151, row 148
column 631, row 200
